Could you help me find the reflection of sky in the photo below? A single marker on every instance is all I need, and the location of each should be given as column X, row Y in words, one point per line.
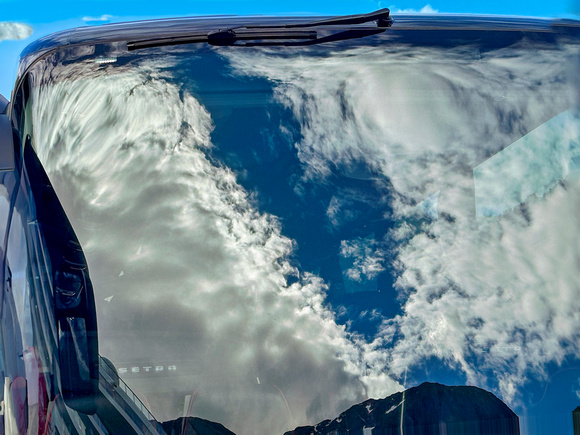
column 452, row 278
column 258, row 143
column 207, row 279
column 345, row 244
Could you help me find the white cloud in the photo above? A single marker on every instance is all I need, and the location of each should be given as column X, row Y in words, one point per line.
column 14, row 30
column 103, row 18
column 427, row 9
column 204, row 272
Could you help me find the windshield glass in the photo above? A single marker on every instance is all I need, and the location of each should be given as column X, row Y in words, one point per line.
column 275, row 234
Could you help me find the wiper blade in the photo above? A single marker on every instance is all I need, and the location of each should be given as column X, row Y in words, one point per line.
column 275, row 32
column 223, row 37
column 382, row 17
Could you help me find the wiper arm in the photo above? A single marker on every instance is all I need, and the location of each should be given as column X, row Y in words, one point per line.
column 341, row 36
column 270, row 32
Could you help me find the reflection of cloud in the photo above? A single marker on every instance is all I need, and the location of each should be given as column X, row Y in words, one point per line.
column 483, row 314
column 14, row 31
column 399, row 114
column 366, row 261
column 349, row 205
column 494, row 298
column 204, row 273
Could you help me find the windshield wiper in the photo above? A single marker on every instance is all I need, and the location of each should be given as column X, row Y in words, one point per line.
column 275, row 32
column 222, row 37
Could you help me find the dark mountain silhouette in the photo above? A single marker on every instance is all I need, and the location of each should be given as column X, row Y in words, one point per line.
column 194, row 426
column 428, row 409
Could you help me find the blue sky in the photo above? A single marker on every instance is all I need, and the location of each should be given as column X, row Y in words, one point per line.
column 43, row 17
